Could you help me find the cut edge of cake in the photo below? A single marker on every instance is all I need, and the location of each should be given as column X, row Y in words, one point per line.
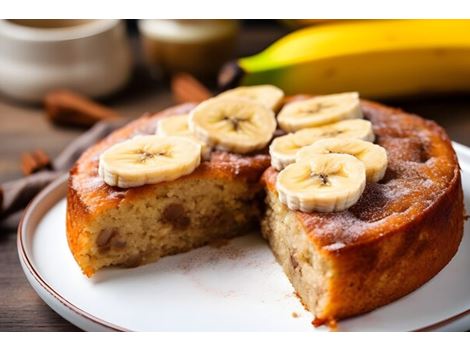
column 339, row 281
column 170, row 218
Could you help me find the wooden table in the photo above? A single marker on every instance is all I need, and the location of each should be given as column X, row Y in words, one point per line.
column 24, row 128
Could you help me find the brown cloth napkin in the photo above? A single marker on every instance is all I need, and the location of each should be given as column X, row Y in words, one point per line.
column 15, row 195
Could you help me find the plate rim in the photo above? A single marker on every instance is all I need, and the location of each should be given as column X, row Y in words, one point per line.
column 27, row 262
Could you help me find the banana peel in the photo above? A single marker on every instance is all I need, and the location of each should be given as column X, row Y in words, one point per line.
column 378, row 58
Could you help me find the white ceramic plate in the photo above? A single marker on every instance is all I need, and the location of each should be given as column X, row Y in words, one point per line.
column 238, row 287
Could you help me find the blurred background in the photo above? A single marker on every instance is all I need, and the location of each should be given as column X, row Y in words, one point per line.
column 127, row 66
column 59, row 77
column 137, row 74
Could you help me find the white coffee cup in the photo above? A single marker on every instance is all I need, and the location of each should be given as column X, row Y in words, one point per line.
column 91, row 57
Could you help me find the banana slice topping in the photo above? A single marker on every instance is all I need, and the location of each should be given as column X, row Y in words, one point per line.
column 267, row 95
column 372, row 155
column 284, row 149
column 319, row 111
column 324, row 161
column 148, row 159
column 177, row 125
column 325, row 183
column 233, row 124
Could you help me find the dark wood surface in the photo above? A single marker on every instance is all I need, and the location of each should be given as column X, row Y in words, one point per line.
column 24, row 128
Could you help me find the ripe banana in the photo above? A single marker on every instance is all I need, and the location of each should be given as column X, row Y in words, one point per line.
column 372, row 155
column 283, row 149
column 148, row 159
column 320, row 110
column 178, row 126
column 379, row 59
column 325, row 183
column 268, row 95
column 233, row 124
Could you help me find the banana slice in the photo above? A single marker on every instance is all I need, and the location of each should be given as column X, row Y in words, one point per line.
column 268, row 95
column 372, row 155
column 319, row 111
column 233, row 124
column 326, row 183
column 148, row 159
column 283, row 149
column 177, row 125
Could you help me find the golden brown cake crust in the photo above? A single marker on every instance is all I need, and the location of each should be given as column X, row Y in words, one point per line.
column 403, row 230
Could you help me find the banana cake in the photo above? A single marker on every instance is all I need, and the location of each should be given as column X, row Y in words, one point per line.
column 360, row 203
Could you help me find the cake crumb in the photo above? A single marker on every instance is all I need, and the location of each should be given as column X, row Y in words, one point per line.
column 295, row 315
column 330, row 323
column 318, row 322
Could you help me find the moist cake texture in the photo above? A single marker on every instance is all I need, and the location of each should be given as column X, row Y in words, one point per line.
column 403, row 230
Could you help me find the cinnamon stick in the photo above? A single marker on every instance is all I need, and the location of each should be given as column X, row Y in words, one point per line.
column 64, row 107
column 187, row 89
column 35, row 161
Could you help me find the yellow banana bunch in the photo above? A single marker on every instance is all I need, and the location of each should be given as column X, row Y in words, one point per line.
column 378, row 59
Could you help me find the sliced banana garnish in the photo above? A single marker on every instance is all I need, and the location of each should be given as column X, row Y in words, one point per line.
column 283, row 149
column 147, row 160
column 326, row 183
column 319, row 111
column 268, row 95
column 372, row 155
column 233, row 124
column 177, row 125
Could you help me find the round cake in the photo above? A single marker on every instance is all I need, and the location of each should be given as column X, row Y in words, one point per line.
column 402, row 231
